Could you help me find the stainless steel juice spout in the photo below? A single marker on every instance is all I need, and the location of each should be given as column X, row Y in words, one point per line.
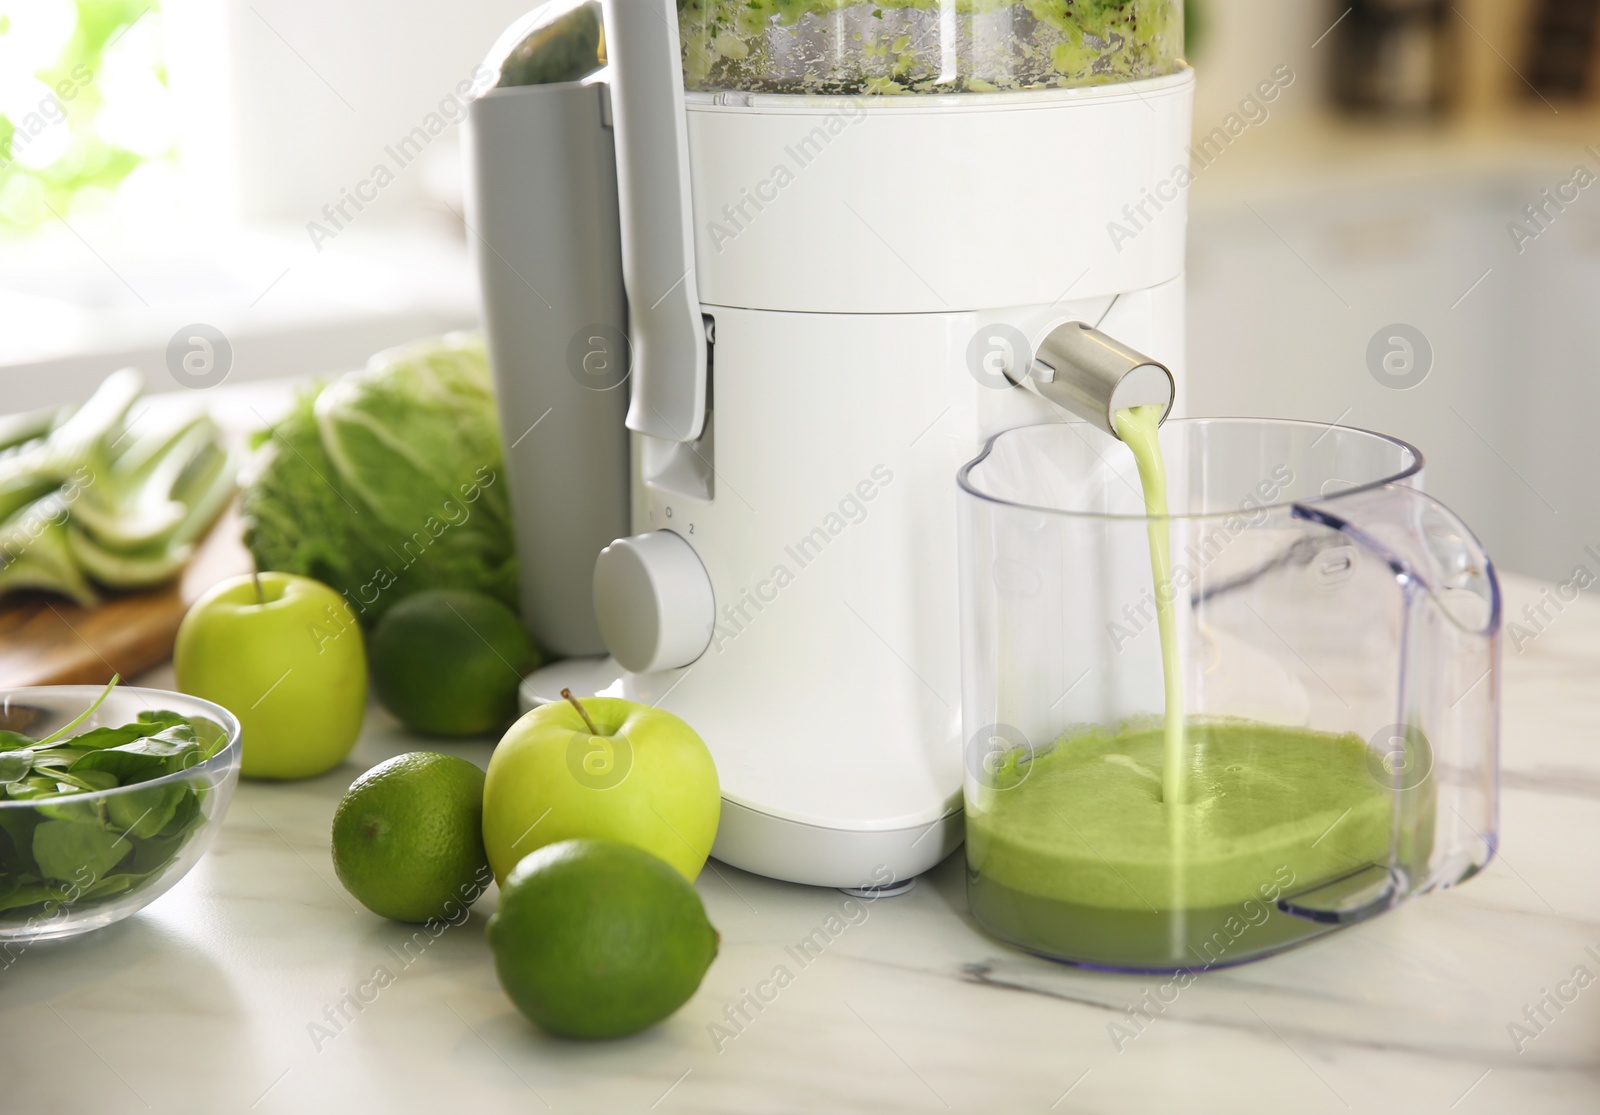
column 1094, row 376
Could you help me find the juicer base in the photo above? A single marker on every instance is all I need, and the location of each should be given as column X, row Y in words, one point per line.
column 819, row 856
column 893, row 890
column 586, row 677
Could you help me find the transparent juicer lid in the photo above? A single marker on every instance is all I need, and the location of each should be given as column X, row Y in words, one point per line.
column 925, row 46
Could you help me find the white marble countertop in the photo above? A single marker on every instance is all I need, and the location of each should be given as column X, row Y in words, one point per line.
column 207, row 1000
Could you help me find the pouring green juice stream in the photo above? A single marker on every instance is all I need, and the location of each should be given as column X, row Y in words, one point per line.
column 1158, row 847
column 1140, row 429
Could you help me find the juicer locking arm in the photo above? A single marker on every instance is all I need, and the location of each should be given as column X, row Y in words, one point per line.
column 1094, row 376
column 652, row 142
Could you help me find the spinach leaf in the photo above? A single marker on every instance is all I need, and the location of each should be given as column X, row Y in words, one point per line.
column 29, row 894
column 145, row 813
column 69, row 807
column 185, row 815
column 15, row 765
column 111, row 737
column 149, row 724
column 63, row 849
column 66, row 728
column 89, row 781
column 169, row 752
column 19, row 825
column 115, row 884
column 211, row 736
column 33, row 787
column 14, row 741
column 56, row 757
column 123, row 767
column 152, row 854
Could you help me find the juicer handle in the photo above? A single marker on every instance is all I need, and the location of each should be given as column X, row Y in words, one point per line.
column 652, row 140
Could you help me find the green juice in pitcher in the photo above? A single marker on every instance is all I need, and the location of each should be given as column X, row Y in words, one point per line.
column 1084, row 859
column 1167, row 844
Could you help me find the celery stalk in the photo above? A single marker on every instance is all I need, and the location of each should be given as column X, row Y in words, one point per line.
column 69, row 446
column 135, row 509
column 46, row 565
column 125, row 570
column 19, row 429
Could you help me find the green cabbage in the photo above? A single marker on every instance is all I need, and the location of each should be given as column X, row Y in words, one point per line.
column 389, row 481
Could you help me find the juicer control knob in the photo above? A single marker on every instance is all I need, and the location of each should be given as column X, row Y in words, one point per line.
column 653, row 599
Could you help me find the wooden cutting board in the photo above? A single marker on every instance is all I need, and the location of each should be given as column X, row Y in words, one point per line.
column 48, row 640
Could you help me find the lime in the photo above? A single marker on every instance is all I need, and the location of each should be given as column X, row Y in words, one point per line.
column 408, row 837
column 447, row 662
column 596, row 939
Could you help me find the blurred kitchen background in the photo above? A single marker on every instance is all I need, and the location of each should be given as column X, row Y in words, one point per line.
column 1407, row 239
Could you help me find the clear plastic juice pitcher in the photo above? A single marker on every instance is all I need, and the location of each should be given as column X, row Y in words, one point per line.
column 924, row 46
column 1336, row 641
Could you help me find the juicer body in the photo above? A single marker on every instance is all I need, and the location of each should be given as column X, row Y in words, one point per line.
column 868, row 276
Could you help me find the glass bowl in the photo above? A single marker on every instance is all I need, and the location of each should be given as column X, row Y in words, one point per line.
column 109, row 852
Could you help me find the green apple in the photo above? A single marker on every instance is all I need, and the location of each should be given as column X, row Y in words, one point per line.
column 284, row 655
column 601, row 769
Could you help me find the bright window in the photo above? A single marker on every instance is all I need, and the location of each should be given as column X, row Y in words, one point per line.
column 86, row 120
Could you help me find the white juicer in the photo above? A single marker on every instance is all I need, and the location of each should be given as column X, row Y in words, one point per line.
column 744, row 338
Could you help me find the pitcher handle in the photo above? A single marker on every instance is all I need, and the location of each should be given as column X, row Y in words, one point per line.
column 1446, row 734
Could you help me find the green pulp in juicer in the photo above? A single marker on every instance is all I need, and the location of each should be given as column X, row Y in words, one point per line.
column 1083, row 859
column 901, row 46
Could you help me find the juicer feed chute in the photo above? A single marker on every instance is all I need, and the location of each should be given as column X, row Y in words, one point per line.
column 555, row 313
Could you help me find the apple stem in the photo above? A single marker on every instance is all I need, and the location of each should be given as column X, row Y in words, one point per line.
column 255, row 578
column 583, row 712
